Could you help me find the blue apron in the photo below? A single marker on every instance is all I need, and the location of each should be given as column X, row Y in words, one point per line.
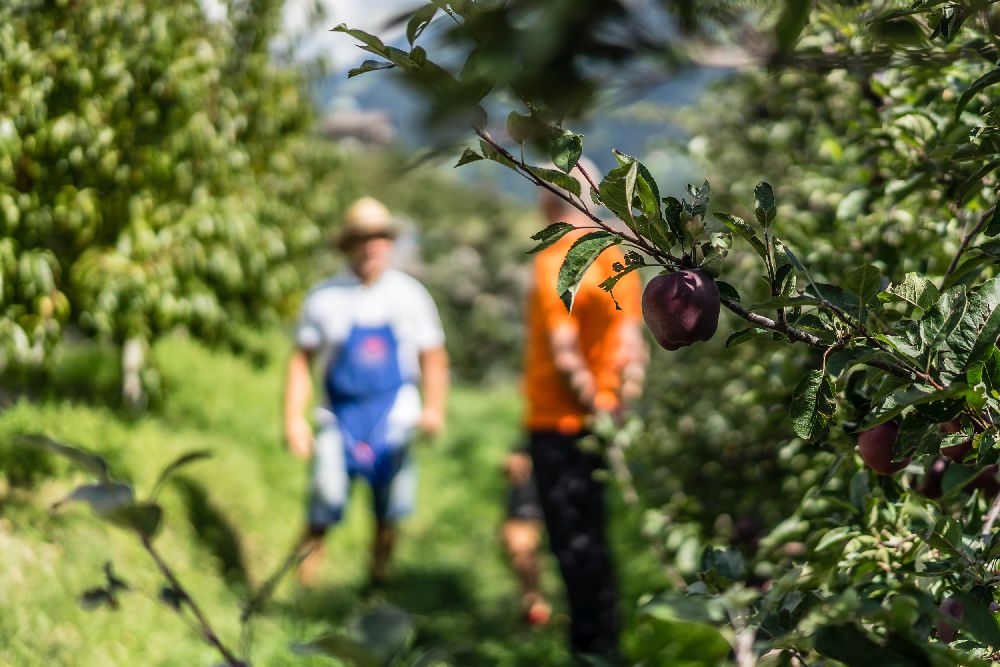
column 361, row 385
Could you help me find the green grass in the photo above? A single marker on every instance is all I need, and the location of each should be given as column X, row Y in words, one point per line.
column 449, row 573
column 232, row 519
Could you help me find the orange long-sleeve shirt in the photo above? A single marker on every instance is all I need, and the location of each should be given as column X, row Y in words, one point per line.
column 551, row 404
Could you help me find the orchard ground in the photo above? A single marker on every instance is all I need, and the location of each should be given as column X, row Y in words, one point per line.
column 241, row 510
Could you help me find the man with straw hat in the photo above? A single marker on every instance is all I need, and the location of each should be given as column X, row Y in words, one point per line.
column 372, row 333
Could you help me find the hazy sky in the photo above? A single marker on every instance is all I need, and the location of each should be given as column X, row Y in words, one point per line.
column 368, row 15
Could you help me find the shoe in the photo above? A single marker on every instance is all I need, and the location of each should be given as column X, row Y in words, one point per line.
column 537, row 612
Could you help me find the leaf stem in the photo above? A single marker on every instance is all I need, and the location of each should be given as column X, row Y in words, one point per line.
column 205, row 627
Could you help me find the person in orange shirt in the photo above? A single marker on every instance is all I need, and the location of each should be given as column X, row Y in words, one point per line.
column 577, row 364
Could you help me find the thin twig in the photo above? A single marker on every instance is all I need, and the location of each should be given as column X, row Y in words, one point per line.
column 792, row 333
column 206, row 630
column 520, row 167
column 296, row 556
column 966, row 240
column 991, row 518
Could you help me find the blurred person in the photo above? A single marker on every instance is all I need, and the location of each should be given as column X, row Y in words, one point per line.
column 372, row 333
column 521, row 534
column 576, row 365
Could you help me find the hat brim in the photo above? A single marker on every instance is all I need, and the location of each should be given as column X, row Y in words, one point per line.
column 349, row 237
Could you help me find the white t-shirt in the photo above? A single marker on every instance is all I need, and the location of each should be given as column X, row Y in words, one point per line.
column 396, row 299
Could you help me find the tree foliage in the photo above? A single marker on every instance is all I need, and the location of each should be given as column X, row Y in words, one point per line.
column 145, row 166
column 876, row 128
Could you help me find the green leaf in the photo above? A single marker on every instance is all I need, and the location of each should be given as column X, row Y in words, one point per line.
column 976, row 333
column 550, row 235
column 993, row 226
column 468, row 156
column 672, row 209
column 956, row 477
column 83, row 458
column 743, row 229
column 746, row 335
column 833, row 295
column 645, row 186
column 784, row 277
column 865, row 281
column 813, row 405
column 952, row 18
column 791, row 22
column 849, row 644
column 172, row 597
column 902, row 31
column 579, row 258
column 92, row 598
column 617, row 190
column 916, row 290
column 834, row 536
column 968, row 187
column 385, row 632
column 491, row 153
column 179, row 462
column 700, row 197
column 910, row 395
column 519, row 127
column 419, row 21
column 103, row 497
column 764, row 208
column 725, row 564
column 365, row 38
column 557, row 178
column 842, row 360
column 566, row 150
column 368, row 66
column 727, row 291
column 944, row 317
column 793, row 259
column 676, row 606
column 991, row 78
column 143, row 518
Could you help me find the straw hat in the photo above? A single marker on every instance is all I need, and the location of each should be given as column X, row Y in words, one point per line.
column 365, row 218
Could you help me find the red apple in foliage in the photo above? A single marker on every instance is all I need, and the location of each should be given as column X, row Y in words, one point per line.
column 986, row 481
column 875, row 447
column 955, row 453
column 954, row 608
column 931, row 486
column 681, row 307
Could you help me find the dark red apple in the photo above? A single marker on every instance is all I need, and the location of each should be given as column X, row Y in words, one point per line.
column 955, row 453
column 681, row 307
column 875, row 447
column 986, row 481
column 931, row 486
column 954, row 608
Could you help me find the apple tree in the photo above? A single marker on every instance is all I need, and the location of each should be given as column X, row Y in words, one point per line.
column 873, row 267
column 144, row 155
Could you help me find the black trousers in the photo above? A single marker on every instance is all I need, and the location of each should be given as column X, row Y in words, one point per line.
column 573, row 506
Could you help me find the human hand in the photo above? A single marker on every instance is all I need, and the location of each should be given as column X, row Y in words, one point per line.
column 517, row 467
column 431, row 422
column 299, row 436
